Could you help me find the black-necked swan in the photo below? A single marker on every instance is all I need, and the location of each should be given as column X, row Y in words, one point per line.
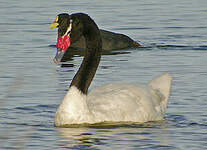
column 110, row 41
column 111, row 103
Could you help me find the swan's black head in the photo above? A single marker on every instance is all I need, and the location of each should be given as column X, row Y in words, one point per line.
column 70, row 29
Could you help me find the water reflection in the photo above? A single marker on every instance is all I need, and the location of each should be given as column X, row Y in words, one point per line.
column 66, row 65
column 76, row 52
column 77, row 137
column 133, row 135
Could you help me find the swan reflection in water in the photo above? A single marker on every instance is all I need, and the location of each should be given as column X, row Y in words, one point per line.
column 114, row 135
column 70, row 55
column 78, row 137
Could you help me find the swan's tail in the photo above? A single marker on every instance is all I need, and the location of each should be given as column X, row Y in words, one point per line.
column 136, row 44
column 162, row 83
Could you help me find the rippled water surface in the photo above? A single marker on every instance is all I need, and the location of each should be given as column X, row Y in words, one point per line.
column 173, row 34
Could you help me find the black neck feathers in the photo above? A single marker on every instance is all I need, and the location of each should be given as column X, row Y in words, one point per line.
column 87, row 70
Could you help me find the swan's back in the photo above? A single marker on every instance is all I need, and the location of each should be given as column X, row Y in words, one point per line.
column 130, row 102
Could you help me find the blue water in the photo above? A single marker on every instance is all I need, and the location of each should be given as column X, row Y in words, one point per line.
column 173, row 34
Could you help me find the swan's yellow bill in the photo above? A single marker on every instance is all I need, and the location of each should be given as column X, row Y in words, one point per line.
column 54, row 24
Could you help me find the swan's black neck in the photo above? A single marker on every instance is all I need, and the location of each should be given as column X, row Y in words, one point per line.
column 87, row 70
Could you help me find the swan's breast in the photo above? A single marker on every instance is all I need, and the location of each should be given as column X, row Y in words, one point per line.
column 73, row 109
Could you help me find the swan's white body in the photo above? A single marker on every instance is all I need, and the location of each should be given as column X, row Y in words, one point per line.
column 116, row 103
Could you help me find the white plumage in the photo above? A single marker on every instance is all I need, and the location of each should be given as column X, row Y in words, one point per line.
column 116, row 103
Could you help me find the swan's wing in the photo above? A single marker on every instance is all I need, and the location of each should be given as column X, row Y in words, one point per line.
column 123, row 102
